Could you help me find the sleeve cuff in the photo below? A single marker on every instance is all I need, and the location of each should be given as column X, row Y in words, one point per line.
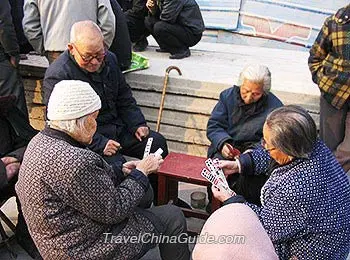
column 140, row 178
column 234, row 199
column 246, row 164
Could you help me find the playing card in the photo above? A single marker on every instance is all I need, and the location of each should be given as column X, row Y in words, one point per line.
column 159, row 151
column 148, row 147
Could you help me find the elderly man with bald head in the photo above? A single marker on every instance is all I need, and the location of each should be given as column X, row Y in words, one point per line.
column 121, row 126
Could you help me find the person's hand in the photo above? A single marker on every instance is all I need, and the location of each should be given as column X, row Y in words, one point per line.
column 12, row 169
column 111, row 148
column 141, row 132
column 226, row 152
column 8, row 160
column 220, row 194
column 129, row 166
column 14, row 61
column 150, row 4
column 150, row 164
column 12, row 166
column 229, row 167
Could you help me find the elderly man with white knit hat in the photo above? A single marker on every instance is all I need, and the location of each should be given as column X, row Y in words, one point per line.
column 74, row 205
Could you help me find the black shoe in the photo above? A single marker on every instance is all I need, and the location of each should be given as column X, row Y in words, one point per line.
column 161, row 50
column 141, row 45
column 180, row 55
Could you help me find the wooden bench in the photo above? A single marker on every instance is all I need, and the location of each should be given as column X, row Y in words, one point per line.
column 185, row 168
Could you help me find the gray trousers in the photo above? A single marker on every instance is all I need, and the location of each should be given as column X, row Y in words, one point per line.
column 175, row 224
column 11, row 84
column 335, row 131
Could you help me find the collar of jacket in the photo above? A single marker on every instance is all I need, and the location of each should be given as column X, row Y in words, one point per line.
column 54, row 133
column 343, row 15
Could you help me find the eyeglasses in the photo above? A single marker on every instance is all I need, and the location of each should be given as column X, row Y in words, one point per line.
column 264, row 145
column 88, row 58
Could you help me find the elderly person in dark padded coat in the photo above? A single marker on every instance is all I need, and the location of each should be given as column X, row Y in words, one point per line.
column 121, row 126
column 237, row 122
column 73, row 203
column 306, row 200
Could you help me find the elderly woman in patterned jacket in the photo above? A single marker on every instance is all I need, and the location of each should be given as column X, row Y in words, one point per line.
column 75, row 205
column 306, row 200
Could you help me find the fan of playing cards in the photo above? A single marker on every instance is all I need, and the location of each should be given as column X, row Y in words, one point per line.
column 214, row 174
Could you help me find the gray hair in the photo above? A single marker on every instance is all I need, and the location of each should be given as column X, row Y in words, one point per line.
column 256, row 73
column 69, row 126
column 293, row 131
column 79, row 28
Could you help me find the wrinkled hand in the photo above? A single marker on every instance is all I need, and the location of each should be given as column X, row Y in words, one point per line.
column 111, row 148
column 129, row 166
column 9, row 160
column 150, row 164
column 226, row 151
column 150, row 4
column 229, row 167
column 220, row 194
column 141, row 132
column 12, row 166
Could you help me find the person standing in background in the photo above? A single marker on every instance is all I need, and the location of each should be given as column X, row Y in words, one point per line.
column 47, row 24
column 329, row 63
column 10, row 80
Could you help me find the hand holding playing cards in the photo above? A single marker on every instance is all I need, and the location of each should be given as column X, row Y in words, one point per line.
column 229, row 167
column 150, row 164
column 220, row 194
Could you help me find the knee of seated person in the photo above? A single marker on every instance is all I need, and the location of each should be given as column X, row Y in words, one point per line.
column 176, row 217
column 160, row 29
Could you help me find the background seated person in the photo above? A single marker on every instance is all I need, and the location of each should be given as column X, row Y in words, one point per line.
column 237, row 121
column 135, row 12
column 15, row 133
column 70, row 197
column 306, row 200
column 176, row 25
column 120, row 123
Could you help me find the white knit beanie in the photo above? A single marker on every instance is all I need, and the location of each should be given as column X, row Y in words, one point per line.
column 72, row 99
